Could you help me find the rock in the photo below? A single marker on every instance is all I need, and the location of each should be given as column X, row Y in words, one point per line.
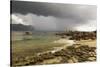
column 92, row 59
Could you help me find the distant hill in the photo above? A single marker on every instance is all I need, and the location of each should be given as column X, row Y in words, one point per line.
column 21, row 27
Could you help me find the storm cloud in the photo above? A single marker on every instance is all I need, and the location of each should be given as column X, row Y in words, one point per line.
column 54, row 16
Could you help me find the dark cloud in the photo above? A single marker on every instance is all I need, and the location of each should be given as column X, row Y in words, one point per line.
column 53, row 9
column 32, row 7
column 53, row 15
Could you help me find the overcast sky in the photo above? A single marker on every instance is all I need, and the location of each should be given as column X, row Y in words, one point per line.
column 54, row 16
